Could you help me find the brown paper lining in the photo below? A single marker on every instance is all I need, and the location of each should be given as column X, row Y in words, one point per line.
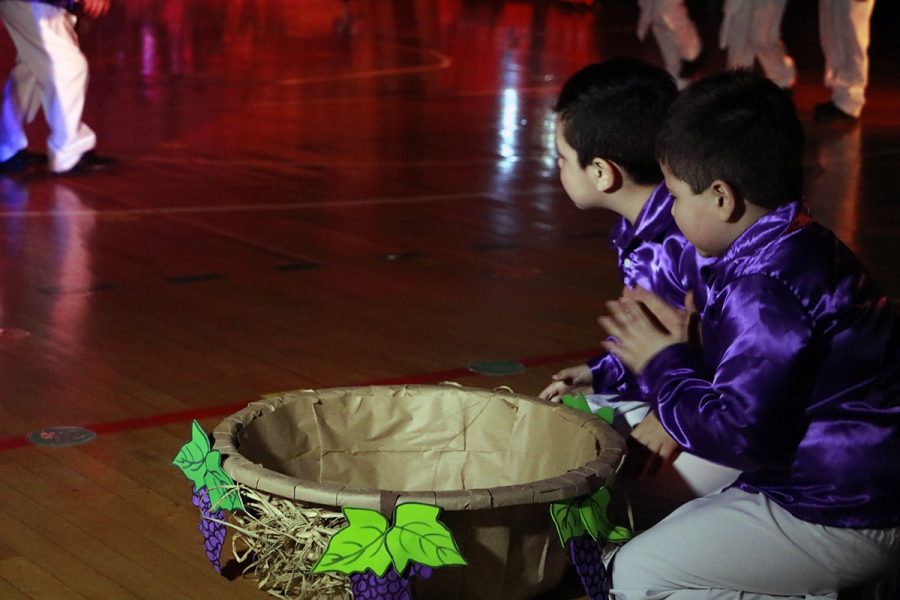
column 458, row 448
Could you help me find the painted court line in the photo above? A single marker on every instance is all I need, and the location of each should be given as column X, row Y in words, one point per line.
column 173, row 210
column 183, row 416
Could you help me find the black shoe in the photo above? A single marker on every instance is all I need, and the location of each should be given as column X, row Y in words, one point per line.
column 90, row 162
column 689, row 68
column 827, row 112
column 22, row 160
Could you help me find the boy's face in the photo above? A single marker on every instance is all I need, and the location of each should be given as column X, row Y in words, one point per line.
column 697, row 216
column 579, row 183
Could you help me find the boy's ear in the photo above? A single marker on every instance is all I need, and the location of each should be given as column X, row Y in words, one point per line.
column 729, row 205
column 607, row 175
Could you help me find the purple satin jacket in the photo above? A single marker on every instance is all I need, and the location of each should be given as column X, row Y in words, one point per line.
column 798, row 380
column 653, row 254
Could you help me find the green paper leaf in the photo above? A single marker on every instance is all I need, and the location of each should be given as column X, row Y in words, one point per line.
column 359, row 546
column 590, row 520
column 596, row 506
column 587, row 516
column 566, row 516
column 619, row 535
column 223, row 493
column 607, row 413
column 418, row 536
column 191, row 459
column 594, row 516
column 578, row 402
column 200, row 437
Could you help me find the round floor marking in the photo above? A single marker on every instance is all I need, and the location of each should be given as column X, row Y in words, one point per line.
column 61, row 436
column 496, row 367
column 12, row 335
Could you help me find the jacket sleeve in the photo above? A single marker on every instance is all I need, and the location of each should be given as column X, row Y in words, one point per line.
column 610, row 376
column 736, row 404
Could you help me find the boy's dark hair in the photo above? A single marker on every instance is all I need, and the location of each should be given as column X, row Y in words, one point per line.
column 614, row 110
column 740, row 128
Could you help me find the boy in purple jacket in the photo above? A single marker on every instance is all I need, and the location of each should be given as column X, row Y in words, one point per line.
column 795, row 382
column 609, row 115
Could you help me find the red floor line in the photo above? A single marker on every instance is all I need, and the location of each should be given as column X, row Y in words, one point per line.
column 182, row 416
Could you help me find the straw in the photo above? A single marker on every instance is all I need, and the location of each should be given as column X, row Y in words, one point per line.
column 279, row 541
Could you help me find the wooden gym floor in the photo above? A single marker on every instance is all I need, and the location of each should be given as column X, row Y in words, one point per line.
column 309, row 197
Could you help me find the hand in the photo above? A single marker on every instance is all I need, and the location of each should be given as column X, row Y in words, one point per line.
column 95, row 8
column 565, row 381
column 642, row 329
column 650, row 447
column 683, row 324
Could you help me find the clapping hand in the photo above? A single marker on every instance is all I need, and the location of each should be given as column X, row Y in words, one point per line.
column 643, row 324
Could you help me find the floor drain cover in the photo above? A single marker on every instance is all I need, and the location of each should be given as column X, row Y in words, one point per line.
column 496, row 367
column 61, row 436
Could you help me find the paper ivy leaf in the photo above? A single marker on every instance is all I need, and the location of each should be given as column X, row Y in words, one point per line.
column 357, row 547
column 418, row 536
column 223, row 494
column 593, row 514
column 191, row 459
column 607, row 413
column 619, row 535
column 567, row 519
column 587, row 516
column 578, row 402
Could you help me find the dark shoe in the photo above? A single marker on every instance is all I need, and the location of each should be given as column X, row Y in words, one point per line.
column 689, row 68
column 22, row 160
column 90, row 162
column 827, row 112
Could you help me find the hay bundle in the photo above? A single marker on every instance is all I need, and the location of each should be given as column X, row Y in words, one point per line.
column 279, row 540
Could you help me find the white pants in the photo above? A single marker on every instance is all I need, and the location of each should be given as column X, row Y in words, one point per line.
column 674, row 31
column 751, row 31
column 741, row 546
column 654, row 496
column 844, row 35
column 50, row 72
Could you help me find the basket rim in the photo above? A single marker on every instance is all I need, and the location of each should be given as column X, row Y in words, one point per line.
column 580, row 481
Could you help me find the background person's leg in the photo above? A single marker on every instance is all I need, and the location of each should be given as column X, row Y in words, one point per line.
column 46, row 42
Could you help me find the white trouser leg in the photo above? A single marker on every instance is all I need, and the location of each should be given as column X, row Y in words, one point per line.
column 741, row 546
column 734, row 33
column 767, row 44
column 844, row 35
column 21, row 99
column 751, row 30
column 673, row 30
column 688, row 477
column 47, row 44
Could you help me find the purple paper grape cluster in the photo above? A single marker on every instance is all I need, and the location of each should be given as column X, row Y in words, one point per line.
column 213, row 532
column 390, row 586
column 587, row 556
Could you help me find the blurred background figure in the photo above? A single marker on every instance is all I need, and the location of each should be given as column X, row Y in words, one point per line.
column 844, row 35
column 676, row 36
column 50, row 72
column 750, row 32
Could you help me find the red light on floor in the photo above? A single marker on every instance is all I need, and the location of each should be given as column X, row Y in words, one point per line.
column 13, row 335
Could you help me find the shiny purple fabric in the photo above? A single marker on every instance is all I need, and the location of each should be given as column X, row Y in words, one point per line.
column 653, row 254
column 798, row 380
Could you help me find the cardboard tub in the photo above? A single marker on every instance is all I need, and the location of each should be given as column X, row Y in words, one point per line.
column 492, row 460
